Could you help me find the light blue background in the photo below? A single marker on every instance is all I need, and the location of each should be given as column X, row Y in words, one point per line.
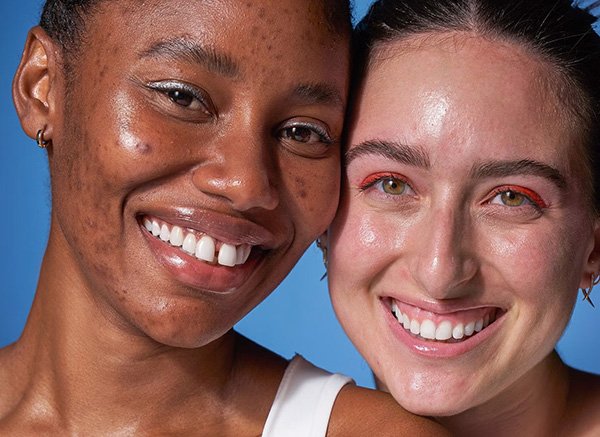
column 296, row 318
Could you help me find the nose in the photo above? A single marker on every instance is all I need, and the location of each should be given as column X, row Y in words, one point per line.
column 241, row 172
column 445, row 261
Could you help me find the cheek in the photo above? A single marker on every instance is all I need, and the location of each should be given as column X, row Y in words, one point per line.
column 311, row 191
column 544, row 264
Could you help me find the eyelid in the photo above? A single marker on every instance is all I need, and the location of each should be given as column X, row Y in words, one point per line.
column 176, row 85
column 374, row 178
column 323, row 133
column 535, row 199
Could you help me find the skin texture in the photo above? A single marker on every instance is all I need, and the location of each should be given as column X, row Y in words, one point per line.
column 128, row 335
column 444, row 240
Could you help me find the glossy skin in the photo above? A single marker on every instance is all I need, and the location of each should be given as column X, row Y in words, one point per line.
column 223, row 164
column 219, row 157
column 429, row 221
column 201, row 115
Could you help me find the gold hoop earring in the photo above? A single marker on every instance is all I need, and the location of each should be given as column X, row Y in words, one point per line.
column 40, row 140
column 594, row 279
column 323, row 248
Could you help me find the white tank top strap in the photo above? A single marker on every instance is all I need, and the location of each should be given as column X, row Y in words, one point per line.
column 304, row 401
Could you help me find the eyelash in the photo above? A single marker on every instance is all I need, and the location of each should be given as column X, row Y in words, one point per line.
column 531, row 196
column 323, row 135
column 378, row 178
column 166, row 87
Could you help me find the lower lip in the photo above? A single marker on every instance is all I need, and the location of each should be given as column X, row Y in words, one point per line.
column 436, row 349
column 198, row 274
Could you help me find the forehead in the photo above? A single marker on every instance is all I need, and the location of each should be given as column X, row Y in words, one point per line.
column 256, row 32
column 461, row 90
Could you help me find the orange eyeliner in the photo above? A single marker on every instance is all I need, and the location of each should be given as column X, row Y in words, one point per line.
column 530, row 194
column 376, row 177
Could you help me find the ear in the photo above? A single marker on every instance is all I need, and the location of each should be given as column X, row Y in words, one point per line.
column 592, row 264
column 34, row 84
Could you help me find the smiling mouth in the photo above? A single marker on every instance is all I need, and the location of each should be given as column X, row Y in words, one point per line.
column 445, row 330
column 201, row 246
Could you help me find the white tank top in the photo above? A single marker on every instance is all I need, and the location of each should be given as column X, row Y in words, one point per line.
column 304, row 401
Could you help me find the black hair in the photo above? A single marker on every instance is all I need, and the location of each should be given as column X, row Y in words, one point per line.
column 65, row 20
column 556, row 30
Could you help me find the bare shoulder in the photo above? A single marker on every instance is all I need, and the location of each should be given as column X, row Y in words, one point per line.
column 363, row 412
column 583, row 415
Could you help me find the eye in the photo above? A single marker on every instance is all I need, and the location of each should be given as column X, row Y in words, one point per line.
column 184, row 96
column 307, row 139
column 181, row 97
column 305, row 133
column 515, row 197
column 388, row 183
column 393, row 186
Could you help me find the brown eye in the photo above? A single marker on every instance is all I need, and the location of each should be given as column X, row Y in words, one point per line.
column 393, row 186
column 512, row 198
column 304, row 134
column 181, row 97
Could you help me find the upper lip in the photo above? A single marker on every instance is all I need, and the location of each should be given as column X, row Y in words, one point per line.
column 224, row 227
column 442, row 307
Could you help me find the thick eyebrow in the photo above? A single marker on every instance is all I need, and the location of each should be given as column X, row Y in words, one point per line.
column 319, row 93
column 520, row 167
column 399, row 152
column 183, row 48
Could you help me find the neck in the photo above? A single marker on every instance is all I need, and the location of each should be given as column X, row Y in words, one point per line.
column 533, row 405
column 78, row 366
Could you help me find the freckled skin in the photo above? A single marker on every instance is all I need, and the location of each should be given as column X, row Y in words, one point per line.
column 465, row 100
column 106, row 311
column 112, row 175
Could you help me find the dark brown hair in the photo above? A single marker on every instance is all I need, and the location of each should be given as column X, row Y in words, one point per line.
column 559, row 32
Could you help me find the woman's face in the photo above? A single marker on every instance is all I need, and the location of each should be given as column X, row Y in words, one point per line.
column 196, row 158
column 462, row 215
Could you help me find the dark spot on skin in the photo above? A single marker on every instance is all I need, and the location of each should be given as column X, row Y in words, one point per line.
column 261, row 13
column 301, row 185
column 102, row 72
column 143, row 148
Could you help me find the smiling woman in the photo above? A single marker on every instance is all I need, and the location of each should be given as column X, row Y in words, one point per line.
column 186, row 183
column 471, row 201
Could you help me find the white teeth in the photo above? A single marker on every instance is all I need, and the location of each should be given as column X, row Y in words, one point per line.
column 148, row 225
column 176, row 236
column 415, row 328
column 479, row 325
column 189, row 244
column 205, row 249
column 427, row 329
column 458, row 332
column 469, row 329
column 239, row 254
column 444, row 331
column 227, row 255
column 165, row 234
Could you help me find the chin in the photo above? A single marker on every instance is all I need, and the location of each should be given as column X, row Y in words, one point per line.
column 436, row 400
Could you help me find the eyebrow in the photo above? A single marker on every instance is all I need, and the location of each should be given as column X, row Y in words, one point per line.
column 414, row 156
column 519, row 167
column 183, row 48
column 319, row 93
